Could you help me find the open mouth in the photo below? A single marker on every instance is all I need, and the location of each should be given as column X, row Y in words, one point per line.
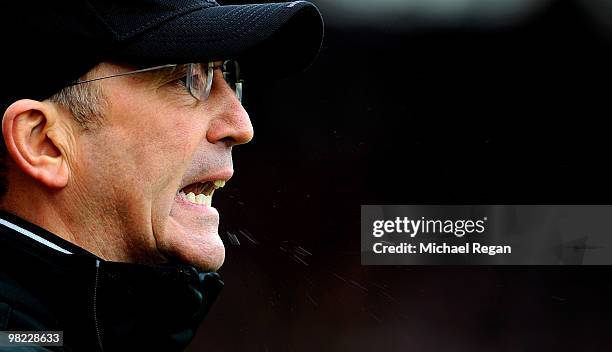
column 201, row 193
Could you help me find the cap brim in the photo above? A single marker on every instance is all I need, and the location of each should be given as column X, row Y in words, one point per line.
column 285, row 37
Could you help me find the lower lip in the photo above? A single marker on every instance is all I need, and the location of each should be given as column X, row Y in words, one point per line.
column 200, row 208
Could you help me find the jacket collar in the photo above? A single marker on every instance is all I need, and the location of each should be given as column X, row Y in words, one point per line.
column 39, row 235
column 105, row 305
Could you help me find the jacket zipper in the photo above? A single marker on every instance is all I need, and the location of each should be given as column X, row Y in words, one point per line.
column 95, row 306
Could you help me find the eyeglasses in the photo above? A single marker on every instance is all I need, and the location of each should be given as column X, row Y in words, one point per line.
column 198, row 78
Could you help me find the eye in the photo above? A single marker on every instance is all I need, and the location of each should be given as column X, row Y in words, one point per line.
column 182, row 81
column 177, row 77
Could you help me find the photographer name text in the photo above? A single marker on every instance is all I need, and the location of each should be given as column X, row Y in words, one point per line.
column 440, row 248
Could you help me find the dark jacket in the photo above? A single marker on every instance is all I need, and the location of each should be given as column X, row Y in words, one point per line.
column 47, row 283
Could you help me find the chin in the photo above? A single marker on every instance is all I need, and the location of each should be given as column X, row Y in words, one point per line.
column 211, row 258
column 207, row 256
column 199, row 246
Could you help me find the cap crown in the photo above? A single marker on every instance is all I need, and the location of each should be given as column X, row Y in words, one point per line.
column 55, row 42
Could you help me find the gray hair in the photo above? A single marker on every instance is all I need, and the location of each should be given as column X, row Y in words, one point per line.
column 86, row 103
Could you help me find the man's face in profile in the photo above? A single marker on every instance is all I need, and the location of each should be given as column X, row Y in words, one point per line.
column 130, row 179
column 156, row 145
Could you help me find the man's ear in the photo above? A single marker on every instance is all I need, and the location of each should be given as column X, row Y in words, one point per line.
column 29, row 128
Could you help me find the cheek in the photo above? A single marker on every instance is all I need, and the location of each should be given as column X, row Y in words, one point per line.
column 162, row 136
column 184, row 137
column 172, row 145
column 162, row 147
column 173, row 149
column 171, row 131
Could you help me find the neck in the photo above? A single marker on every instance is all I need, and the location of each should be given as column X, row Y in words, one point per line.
column 66, row 214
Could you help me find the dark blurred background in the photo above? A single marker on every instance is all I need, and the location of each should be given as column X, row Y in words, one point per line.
column 414, row 102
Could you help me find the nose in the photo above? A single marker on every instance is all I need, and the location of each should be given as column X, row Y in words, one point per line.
column 232, row 124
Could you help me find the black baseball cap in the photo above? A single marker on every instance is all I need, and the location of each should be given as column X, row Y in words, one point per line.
column 47, row 44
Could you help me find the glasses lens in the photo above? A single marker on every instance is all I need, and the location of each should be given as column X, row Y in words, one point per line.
column 199, row 80
column 231, row 74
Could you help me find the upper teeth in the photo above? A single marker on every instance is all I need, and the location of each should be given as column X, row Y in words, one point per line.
column 219, row 183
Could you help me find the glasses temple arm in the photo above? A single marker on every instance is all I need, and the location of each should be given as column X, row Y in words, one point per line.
column 122, row 74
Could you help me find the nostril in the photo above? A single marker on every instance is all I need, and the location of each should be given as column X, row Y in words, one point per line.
column 229, row 141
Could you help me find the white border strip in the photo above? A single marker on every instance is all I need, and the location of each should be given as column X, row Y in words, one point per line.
column 37, row 238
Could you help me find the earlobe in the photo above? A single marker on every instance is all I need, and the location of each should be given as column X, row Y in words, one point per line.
column 26, row 127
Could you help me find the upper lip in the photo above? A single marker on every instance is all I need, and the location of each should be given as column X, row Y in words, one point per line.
column 224, row 175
